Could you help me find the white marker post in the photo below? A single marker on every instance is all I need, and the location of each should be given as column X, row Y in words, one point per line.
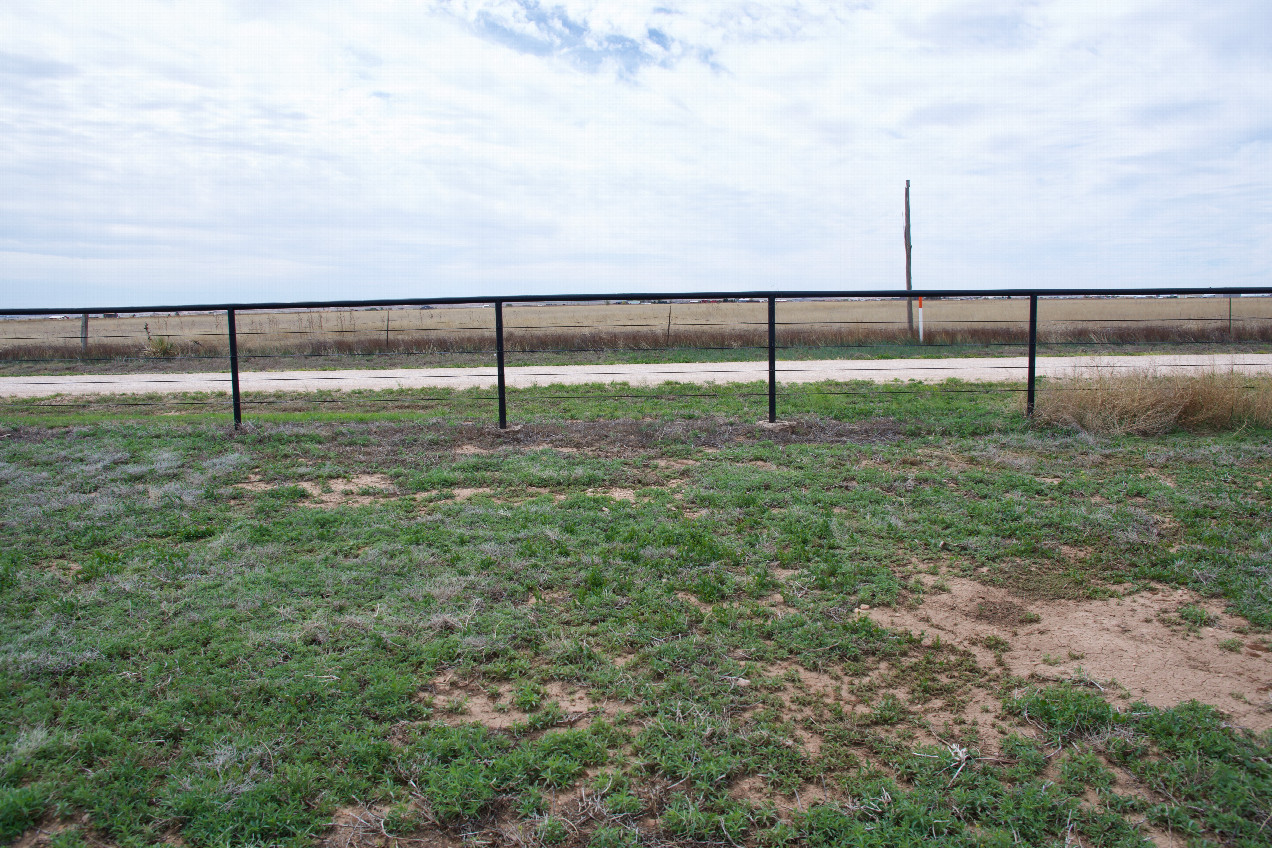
column 920, row 320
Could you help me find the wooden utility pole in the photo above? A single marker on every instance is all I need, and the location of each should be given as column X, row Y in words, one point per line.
column 909, row 285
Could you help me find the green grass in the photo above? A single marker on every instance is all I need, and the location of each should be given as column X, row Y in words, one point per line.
column 941, row 407
column 184, row 656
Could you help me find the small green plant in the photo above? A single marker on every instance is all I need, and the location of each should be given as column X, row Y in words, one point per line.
column 612, row 836
column 1078, row 771
column 624, row 804
column 1064, row 712
column 20, row 808
column 995, row 643
column 1233, row 645
column 552, row 831
column 1197, row 616
column 528, row 697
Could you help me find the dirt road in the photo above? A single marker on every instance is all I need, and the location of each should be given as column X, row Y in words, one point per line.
column 1004, row 369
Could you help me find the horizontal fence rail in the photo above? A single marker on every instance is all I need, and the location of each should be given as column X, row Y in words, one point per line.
column 567, row 338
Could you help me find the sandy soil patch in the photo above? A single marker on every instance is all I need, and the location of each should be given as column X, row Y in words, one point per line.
column 693, row 601
column 38, row 837
column 614, row 494
column 1136, row 643
column 463, row 493
column 332, row 493
column 467, row 702
column 777, row 603
column 753, row 788
column 676, row 463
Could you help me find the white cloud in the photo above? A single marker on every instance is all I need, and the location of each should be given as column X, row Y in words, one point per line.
column 158, row 151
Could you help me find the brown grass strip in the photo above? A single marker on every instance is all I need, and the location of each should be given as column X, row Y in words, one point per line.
column 1148, row 403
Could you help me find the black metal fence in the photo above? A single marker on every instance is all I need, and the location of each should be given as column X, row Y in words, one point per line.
column 771, row 298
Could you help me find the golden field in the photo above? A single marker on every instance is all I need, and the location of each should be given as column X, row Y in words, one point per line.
column 643, row 325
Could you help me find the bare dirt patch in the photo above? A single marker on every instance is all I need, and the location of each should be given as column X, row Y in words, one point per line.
column 1137, row 642
column 1073, row 554
column 615, row 494
column 777, row 603
column 753, row 788
column 693, row 601
column 38, row 837
column 464, row 702
column 676, row 463
column 331, row 493
column 580, row 708
column 463, row 493
column 461, row 702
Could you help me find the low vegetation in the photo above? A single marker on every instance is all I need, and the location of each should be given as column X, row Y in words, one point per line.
column 1146, row 403
column 656, row 629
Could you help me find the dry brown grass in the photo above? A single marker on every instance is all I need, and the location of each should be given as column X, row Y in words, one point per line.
column 1149, row 403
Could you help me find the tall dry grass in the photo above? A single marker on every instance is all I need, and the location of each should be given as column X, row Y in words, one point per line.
column 1147, row 403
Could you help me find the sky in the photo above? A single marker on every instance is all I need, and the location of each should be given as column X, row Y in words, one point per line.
column 160, row 152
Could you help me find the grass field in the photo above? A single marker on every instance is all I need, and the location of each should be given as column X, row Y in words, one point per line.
column 879, row 625
column 652, row 332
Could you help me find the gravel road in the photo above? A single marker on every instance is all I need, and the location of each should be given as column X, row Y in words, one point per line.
column 877, row 370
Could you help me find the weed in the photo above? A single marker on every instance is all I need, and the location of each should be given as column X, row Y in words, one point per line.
column 1197, row 616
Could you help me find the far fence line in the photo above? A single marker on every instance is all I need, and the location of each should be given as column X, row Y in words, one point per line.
column 1034, row 295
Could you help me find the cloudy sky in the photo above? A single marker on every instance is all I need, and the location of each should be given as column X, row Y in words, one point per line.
column 159, row 152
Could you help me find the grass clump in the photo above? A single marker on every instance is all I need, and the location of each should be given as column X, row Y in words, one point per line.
column 1147, row 403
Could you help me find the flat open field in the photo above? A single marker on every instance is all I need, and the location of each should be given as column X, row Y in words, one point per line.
column 896, row 621
column 629, row 332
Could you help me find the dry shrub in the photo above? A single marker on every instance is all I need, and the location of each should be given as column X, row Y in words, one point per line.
column 1146, row 402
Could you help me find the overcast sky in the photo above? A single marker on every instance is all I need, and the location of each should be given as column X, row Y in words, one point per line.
column 159, row 152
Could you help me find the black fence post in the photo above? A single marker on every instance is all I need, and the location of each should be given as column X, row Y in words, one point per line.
column 499, row 359
column 772, row 345
column 1033, row 352
column 234, row 375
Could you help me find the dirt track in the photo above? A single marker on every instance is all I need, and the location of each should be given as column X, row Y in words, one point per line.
column 877, row 370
